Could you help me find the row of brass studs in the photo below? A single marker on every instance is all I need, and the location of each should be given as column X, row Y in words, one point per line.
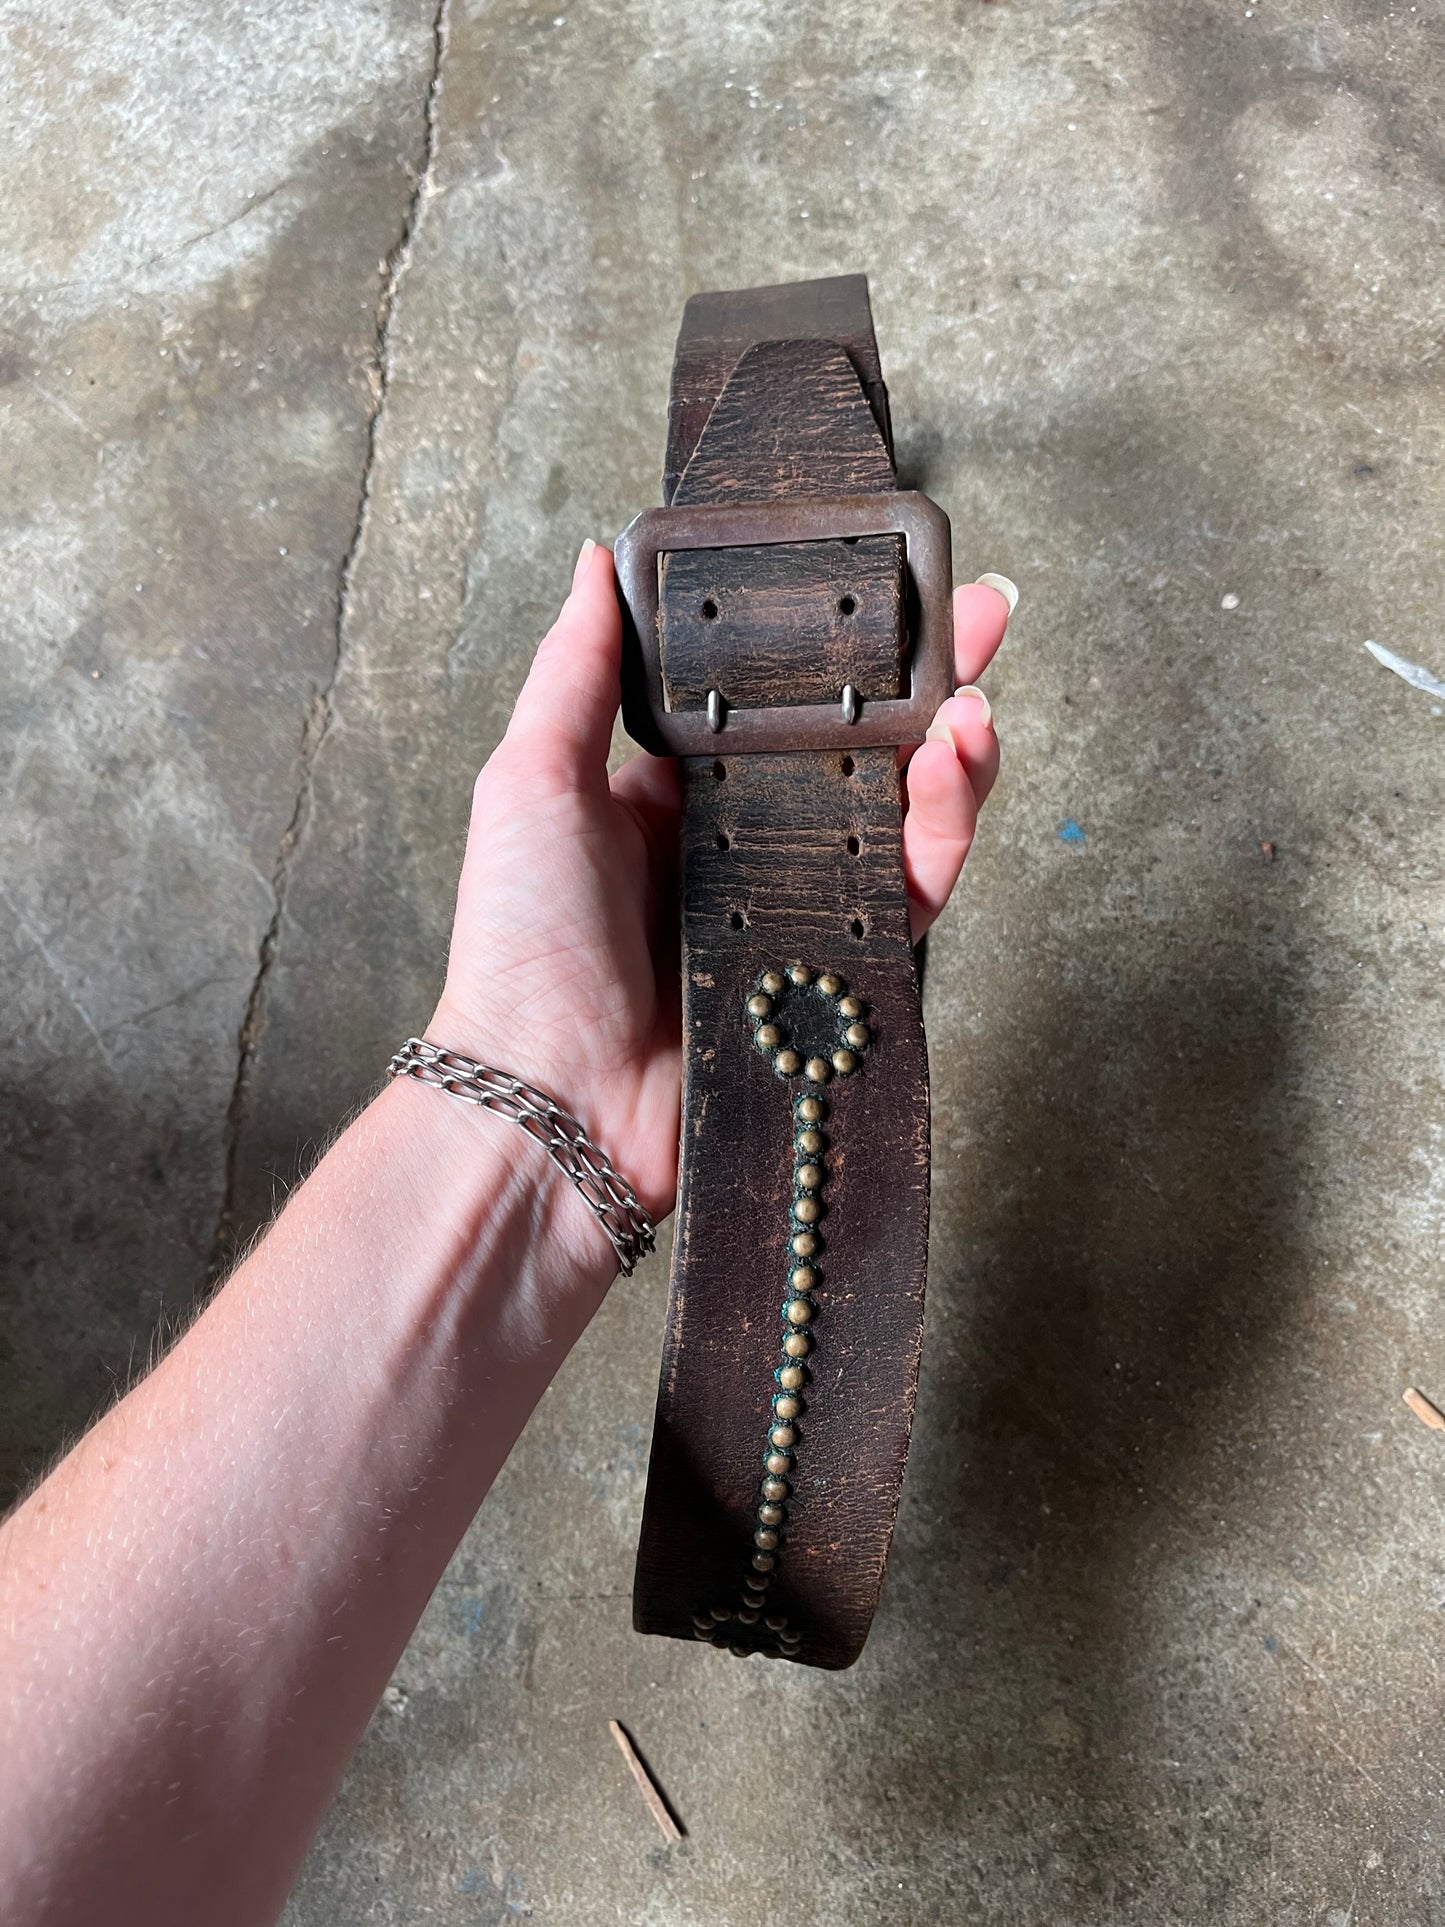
column 800, row 1306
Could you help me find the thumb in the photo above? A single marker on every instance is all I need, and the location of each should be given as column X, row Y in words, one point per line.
column 569, row 701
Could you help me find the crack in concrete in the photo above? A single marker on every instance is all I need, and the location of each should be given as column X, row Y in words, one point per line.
column 62, row 977
column 320, row 711
column 37, row 290
column 253, row 206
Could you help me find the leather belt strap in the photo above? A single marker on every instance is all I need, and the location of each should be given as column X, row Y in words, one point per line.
column 789, row 627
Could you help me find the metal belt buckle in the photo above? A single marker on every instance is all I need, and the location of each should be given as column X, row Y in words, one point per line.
column 736, row 525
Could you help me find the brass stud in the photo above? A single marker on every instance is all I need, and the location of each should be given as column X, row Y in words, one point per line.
column 766, row 1538
column 804, row 1243
column 773, row 982
column 850, row 1007
column 811, row 1109
column 844, row 1061
column 800, row 974
column 786, row 1406
column 798, row 1311
column 803, row 1278
column 764, row 1561
column 774, row 1489
column 703, row 1622
column 721, row 1613
column 767, row 1036
column 829, row 984
column 810, row 1176
column 817, row 1069
column 779, row 1462
column 810, row 1142
column 806, row 1210
column 857, row 1035
column 771, row 1515
column 703, row 1632
column 788, row 1062
column 747, row 1615
column 757, row 1582
column 792, row 1377
column 775, row 1622
column 783, row 1436
column 797, row 1344
column 760, row 1006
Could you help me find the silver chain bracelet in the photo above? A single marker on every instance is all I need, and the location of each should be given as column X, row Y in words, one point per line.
column 609, row 1197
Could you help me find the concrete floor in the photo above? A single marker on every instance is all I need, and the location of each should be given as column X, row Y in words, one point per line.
column 330, row 332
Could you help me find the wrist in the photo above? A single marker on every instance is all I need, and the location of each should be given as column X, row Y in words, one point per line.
column 492, row 1192
column 561, row 1103
column 505, row 1047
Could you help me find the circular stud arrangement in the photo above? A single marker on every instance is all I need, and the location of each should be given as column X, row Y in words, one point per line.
column 770, row 1031
column 772, row 1639
column 768, row 1008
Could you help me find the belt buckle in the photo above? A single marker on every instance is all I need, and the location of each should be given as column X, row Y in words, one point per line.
column 802, row 726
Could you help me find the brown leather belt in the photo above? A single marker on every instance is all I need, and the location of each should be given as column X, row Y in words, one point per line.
column 789, row 626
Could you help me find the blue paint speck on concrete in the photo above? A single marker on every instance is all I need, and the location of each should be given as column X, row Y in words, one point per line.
column 471, row 1616
column 1072, row 833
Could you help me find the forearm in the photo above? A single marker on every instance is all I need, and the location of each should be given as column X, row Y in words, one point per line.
column 205, row 1600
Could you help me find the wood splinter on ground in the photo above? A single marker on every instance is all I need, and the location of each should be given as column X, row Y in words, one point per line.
column 1425, row 1409
column 656, row 1805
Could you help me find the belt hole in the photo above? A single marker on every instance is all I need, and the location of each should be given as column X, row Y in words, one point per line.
column 857, row 926
column 724, row 841
column 720, row 771
column 709, row 610
column 850, row 541
column 853, row 846
column 848, row 766
column 737, row 919
column 846, row 605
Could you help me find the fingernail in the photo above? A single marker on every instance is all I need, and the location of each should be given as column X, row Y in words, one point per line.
column 587, row 547
column 939, row 732
column 1008, row 590
column 972, row 689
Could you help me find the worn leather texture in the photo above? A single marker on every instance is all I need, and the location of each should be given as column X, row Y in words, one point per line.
column 787, row 857
column 775, row 626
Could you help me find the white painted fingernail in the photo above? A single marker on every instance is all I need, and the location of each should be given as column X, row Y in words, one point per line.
column 583, row 556
column 1008, row 590
column 939, row 732
column 972, row 689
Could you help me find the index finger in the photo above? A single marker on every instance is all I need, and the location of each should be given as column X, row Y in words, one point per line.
column 980, row 616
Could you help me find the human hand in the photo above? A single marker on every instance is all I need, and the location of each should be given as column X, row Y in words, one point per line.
column 563, row 966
